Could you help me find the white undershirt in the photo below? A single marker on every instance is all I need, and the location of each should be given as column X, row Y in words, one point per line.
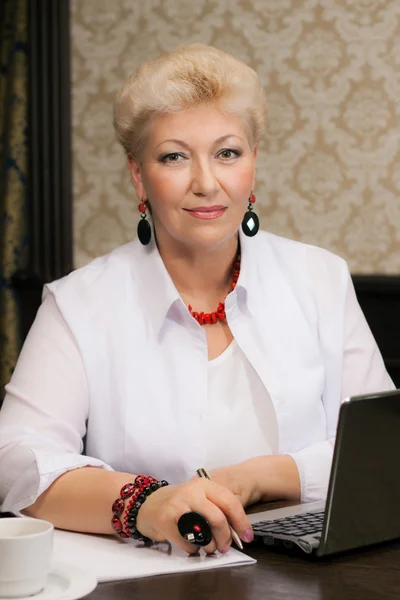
column 241, row 420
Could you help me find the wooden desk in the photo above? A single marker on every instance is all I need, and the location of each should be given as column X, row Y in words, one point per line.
column 369, row 574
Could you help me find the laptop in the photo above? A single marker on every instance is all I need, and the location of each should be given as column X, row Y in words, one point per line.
column 363, row 500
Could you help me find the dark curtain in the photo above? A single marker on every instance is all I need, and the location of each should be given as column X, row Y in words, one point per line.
column 13, row 182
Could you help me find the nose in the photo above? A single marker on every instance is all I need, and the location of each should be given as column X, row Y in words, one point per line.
column 204, row 181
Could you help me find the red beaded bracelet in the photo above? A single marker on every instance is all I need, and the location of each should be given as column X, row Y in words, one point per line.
column 136, row 493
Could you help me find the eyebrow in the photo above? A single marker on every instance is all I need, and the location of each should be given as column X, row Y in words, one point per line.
column 185, row 145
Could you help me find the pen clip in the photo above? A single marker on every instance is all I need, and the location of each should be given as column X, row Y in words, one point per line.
column 203, row 473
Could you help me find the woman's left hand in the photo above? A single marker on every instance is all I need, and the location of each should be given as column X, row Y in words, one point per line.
column 240, row 480
column 261, row 479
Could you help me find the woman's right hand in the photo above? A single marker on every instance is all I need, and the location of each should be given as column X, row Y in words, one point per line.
column 159, row 515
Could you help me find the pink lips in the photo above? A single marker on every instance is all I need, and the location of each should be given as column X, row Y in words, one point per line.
column 207, row 212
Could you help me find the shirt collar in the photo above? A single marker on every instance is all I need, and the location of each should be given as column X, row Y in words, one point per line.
column 160, row 294
column 247, row 284
column 157, row 289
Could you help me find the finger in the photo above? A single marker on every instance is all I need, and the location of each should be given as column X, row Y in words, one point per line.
column 232, row 509
column 178, row 540
column 173, row 535
column 169, row 526
column 222, row 539
column 195, row 528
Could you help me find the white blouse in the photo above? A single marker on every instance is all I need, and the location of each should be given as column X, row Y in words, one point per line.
column 115, row 354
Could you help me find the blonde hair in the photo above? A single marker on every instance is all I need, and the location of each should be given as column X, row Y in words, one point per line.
column 185, row 78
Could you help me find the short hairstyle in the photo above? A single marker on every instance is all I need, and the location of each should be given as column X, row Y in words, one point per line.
column 186, row 78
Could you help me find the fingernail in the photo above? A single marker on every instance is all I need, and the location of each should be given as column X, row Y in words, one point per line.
column 248, row 535
column 226, row 549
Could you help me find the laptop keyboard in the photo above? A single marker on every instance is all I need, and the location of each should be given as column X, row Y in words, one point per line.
column 297, row 525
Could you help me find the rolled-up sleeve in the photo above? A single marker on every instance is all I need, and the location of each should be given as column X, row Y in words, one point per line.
column 44, row 414
column 363, row 371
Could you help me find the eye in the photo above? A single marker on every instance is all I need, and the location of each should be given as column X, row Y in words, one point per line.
column 228, row 153
column 172, row 157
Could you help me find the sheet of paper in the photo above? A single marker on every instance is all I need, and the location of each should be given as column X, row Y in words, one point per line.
column 111, row 559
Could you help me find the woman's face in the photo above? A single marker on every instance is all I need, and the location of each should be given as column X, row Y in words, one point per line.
column 197, row 172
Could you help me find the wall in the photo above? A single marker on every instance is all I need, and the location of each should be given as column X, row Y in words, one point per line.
column 328, row 169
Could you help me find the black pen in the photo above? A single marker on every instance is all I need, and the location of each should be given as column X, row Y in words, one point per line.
column 235, row 536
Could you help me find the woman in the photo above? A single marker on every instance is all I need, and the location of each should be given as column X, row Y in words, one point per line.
column 202, row 343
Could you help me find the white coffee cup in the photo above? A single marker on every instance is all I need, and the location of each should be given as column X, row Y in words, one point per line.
column 26, row 547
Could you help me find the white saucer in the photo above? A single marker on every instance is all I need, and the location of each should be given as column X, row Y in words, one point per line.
column 65, row 582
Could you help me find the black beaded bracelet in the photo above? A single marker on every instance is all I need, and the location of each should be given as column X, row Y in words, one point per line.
column 133, row 510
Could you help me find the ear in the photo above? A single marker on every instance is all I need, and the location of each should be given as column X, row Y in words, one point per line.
column 255, row 152
column 136, row 177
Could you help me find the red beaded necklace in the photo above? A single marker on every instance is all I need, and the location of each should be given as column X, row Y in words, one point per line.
column 220, row 314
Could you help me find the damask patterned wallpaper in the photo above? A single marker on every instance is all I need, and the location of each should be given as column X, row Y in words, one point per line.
column 328, row 169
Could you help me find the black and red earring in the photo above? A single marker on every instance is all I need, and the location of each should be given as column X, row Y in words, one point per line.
column 144, row 227
column 250, row 223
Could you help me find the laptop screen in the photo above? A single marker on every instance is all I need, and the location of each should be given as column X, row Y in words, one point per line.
column 364, row 491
